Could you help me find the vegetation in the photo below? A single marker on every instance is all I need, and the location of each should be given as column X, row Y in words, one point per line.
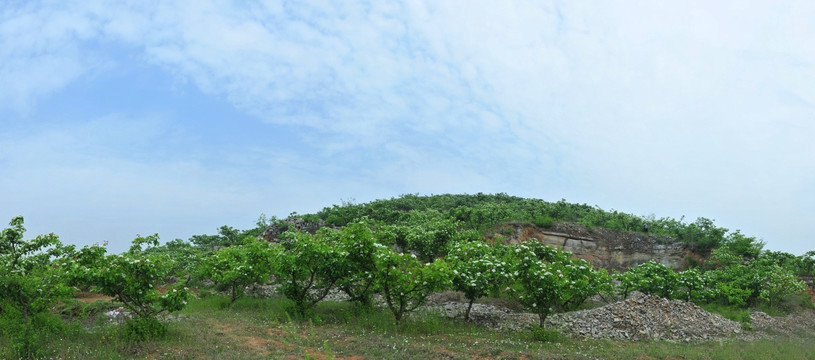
column 263, row 329
column 400, row 249
column 29, row 286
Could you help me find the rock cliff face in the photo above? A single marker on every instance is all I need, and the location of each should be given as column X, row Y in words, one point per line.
column 604, row 248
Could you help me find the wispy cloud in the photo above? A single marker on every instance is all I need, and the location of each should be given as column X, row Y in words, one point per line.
column 693, row 107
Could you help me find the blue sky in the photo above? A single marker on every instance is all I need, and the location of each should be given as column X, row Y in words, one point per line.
column 176, row 117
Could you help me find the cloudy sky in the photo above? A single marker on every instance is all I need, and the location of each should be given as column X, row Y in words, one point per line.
column 133, row 117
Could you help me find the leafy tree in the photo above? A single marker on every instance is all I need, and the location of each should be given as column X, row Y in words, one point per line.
column 29, row 285
column 308, row 267
column 227, row 236
column 134, row 278
column 807, row 262
column 239, row 266
column 746, row 247
column 405, row 282
column 743, row 283
column 359, row 281
column 694, row 285
column 428, row 234
column 549, row 279
column 779, row 283
column 477, row 269
column 650, row 278
column 184, row 255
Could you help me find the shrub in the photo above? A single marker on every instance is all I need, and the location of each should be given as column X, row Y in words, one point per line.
column 544, row 221
column 143, row 328
column 543, row 335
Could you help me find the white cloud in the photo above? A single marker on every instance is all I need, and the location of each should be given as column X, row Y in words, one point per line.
column 693, row 105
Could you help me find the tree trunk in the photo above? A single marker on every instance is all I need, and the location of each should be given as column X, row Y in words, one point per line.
column 469, row 307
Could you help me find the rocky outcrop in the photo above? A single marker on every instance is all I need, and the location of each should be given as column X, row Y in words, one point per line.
column 603, row 248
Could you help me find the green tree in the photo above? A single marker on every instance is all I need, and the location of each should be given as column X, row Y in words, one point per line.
column 549, row 279
column 239, row 266
column 29, row 285
column 477, row 269
column 308, row 267
column 650, row 278
column 405, row 282
column 359, row 281
column 134, row 278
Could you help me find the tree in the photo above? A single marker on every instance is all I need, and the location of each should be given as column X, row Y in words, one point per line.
column 549, row 279
column 744, row 246
column 779, row 283
column 359, row 281
column 239, row 266
column 29, row 285
column 405, row 282
column 134, row 278
column 477, row 270
column 227, row 236
column 307, row 267
column 650, row 278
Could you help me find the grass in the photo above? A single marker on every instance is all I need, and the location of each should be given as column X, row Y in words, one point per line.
column 729, row 312
column 264, row 329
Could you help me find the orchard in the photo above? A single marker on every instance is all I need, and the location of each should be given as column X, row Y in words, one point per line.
column 393, row 259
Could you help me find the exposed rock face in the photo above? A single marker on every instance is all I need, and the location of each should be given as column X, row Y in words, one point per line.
column 603, row 248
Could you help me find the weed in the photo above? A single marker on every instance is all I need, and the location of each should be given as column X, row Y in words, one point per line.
column 143, row 328
column 543, row 335
column 544, row 221
column 730, row 312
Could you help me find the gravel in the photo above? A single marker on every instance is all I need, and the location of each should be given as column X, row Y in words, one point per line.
column 640, row 317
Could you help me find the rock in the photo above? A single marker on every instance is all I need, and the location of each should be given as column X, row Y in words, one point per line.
column 603, row 248
column 646, row 317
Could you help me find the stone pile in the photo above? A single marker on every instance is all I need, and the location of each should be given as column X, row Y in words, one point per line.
column 486, row 315
column 640, row 317
column 647, row 317
column 802, row 321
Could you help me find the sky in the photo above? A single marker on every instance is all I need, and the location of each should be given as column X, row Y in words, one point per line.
column 176, row 117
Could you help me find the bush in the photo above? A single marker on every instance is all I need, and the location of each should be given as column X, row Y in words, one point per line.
column 143, row 328
column 544, row 221
column 543, row 335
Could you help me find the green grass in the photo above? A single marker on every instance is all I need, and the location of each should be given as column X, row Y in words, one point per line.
column 264, row 329
column 729, row 312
